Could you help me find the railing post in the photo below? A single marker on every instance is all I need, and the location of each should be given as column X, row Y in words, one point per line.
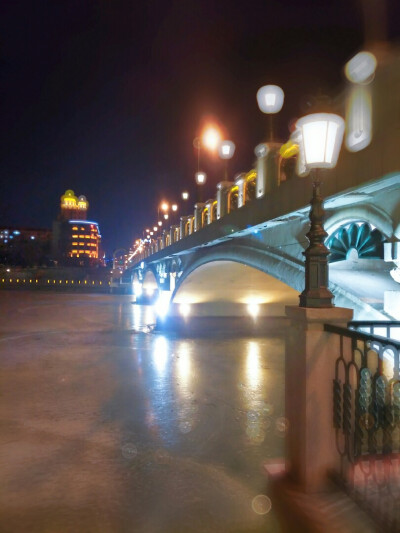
column 311, row 354
column 164, row 239
column 183, row 222
column 172, row 234
column 198, row 216
column 222, row 198
column 267, row 167
column 240, row 181
column 209, row 206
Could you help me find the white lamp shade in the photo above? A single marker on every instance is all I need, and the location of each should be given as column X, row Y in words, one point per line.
column 321, row 139
column 361, row 68
column 261, row 150
column 270, row 98
column 200, row 178
column 226, row 149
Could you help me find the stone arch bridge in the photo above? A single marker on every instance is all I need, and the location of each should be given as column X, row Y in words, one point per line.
column 244, row 248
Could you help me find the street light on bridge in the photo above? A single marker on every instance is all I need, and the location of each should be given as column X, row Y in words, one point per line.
column 321, row 136
column 201, row 178
column 226, row 150
column 270, row 101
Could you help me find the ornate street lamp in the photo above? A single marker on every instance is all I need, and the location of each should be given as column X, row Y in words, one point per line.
column 226, row 150
column 201, row 178
column 321, row 137
column 270, row 101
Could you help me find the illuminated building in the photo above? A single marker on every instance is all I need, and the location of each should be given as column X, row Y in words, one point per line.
column 85, row 240
column 73, row 207
column 76, row 240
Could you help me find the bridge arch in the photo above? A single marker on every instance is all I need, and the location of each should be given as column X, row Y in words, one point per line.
column 377, row 217
column 273, row 264
column 231, row 288
column 149, row 284
column 286, row 269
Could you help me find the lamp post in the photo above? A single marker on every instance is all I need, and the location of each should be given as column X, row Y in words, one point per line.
column 321, row 139
column 201, row 178
column 270, row 101
column 174, row 208
column 226, row 150
column 164, row 208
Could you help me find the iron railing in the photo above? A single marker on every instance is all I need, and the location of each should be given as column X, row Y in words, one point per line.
column 388, row 329
column 366, row 417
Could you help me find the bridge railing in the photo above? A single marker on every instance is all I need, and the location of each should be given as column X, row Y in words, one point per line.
column 366, row 418
column 230, row 196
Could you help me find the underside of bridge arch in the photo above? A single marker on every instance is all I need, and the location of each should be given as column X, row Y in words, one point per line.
column 149, row 282
column 228, row 288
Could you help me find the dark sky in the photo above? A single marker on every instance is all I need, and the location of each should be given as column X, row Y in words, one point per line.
column 105, row 97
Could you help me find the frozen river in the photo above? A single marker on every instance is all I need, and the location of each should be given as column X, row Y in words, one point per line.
column 108, row 426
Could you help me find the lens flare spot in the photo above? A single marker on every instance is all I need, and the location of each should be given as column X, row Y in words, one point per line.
column 261, row 504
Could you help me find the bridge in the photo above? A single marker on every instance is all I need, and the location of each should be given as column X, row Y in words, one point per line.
column 242, row 251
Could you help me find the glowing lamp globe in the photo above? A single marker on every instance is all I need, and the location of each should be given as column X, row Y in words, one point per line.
column 185, row 195
column 200, row 178
column 211, row 138
column 226, row 149
column 270, row 99
column 321, row 139
column 361, row 68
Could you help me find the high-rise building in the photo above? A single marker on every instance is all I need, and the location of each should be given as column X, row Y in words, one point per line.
column 76, row 240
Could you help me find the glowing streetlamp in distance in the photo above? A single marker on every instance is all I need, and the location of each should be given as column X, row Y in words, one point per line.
column 185, row 195
column 164, row 206
column 155, row 228
column 166, row 216
column 159, row 223
column 174, row 207
column 226, row 149
column 201, row 178
column 211, row 138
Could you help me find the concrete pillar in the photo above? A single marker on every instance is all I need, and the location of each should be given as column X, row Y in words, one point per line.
column 172, row 234
column 191, row 224
column 267, row 167
column 222, row 197
column 164, row 238
column 311, row 354
column 198, row 216
column 183, row 226
column 209, row 206
column 240, row 181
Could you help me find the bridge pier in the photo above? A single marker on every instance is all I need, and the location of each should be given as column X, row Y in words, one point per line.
column 310, row 366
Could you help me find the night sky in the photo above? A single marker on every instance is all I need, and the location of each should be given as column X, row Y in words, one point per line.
column 105, row 97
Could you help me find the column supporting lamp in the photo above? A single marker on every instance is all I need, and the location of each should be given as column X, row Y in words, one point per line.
column 321, row 139
column 226, row 150
column 270, row 101
column 201, row 178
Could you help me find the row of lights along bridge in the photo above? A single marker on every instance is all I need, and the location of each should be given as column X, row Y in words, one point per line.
column 320, row 137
